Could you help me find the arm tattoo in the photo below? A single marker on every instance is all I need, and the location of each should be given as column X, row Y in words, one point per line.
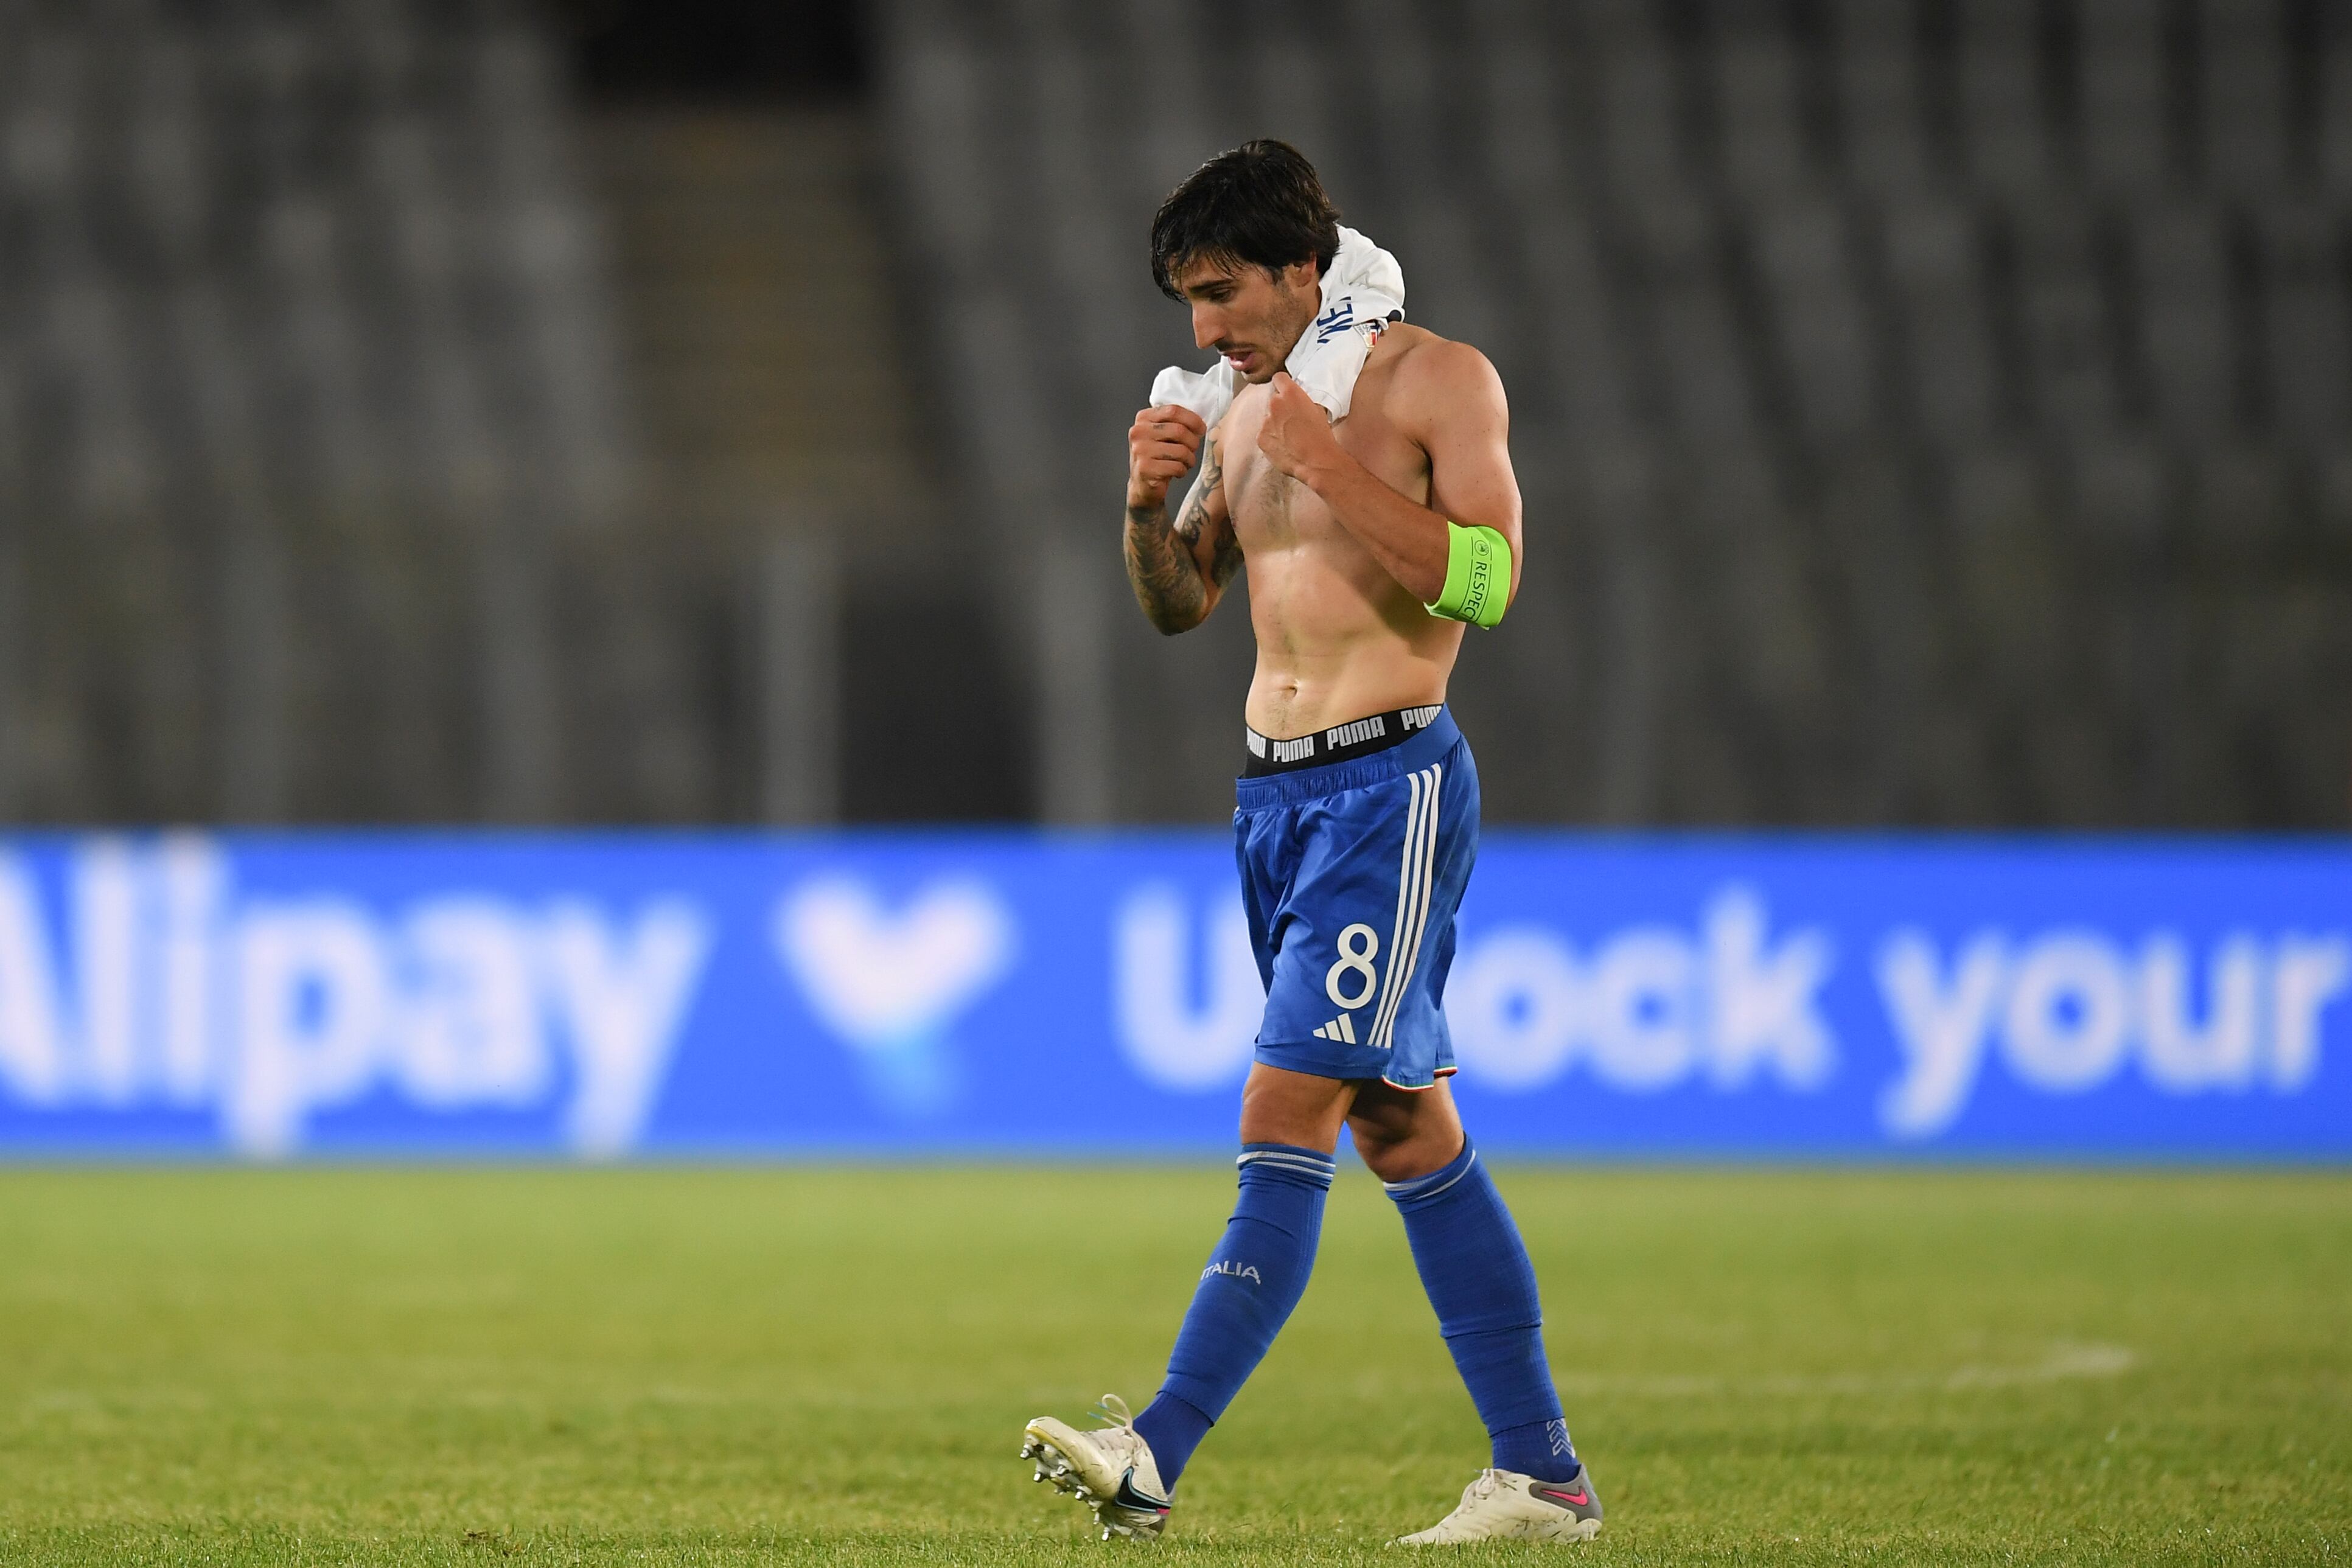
column 1161, row 562
column 1196, row 507
column 1227, row 559
column 1160, row 569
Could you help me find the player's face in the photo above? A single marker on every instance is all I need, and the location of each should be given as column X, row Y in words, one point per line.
column 1250, row 315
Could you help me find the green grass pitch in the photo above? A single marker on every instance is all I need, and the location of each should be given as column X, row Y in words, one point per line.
column 781, row 1366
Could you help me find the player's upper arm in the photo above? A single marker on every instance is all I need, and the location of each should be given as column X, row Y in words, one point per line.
column 1460, row 418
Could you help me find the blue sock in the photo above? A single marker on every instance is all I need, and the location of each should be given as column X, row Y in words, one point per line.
column 1254, row 1277
column 1476, row 1269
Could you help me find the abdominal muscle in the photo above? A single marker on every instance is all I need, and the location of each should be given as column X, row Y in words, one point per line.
column 1317, row 669
column 1337, row 637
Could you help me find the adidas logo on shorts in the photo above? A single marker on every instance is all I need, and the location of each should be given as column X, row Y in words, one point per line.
column 1342, row 1029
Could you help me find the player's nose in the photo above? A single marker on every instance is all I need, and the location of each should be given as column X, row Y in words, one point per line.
column 1208, row 326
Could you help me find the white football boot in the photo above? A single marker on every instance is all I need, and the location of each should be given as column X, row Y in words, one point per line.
column 1110, row 1470
column 1504, row 1505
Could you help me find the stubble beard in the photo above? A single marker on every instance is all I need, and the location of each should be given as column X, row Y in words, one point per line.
column 1276, row 359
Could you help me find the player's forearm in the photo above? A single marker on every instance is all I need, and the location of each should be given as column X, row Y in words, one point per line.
column 1409, row 540
column 1163, row 571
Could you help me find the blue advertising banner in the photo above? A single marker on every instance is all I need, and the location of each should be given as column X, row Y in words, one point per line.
column 599, row 995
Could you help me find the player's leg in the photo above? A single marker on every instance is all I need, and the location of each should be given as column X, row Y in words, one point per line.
column 1476, row 1269
column 1290, row 1126
column 1127, row 1471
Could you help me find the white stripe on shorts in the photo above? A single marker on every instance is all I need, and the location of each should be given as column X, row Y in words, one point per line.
column 1404, row 888
column 1415, row 875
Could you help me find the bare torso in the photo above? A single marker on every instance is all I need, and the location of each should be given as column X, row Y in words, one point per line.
column 1349, row 530
column 1338, row 636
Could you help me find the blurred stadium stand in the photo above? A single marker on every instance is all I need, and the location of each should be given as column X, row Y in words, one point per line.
column 1929, row 411
column 313, row 425
column 387, row 434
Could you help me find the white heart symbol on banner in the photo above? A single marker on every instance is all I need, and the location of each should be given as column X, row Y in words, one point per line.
column 876, row 979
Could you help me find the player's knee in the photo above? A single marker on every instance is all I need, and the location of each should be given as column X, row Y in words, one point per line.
column 1380, row 1154
column 1394, row 1153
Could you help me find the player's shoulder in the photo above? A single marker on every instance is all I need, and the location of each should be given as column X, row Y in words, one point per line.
column 1423, row 356
column 1430, row 373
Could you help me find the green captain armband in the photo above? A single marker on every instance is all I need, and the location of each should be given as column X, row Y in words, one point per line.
column 1477, row 575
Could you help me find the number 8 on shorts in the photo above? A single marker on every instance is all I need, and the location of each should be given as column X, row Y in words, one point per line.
column 1358, row 945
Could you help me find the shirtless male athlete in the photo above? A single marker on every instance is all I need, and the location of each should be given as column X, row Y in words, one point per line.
column 1369, row 544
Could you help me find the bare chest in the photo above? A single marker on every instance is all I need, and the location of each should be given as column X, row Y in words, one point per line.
column 1272, row 511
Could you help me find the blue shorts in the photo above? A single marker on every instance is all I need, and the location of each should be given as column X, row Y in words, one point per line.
column 1351, row 874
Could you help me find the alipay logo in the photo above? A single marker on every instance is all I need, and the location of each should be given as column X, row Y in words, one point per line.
column 889, row 984
column 170, row 990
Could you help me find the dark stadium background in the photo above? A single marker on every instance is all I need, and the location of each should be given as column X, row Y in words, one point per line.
column 456, row 411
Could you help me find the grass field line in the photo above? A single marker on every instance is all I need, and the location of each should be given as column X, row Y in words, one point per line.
column 2065, row 1362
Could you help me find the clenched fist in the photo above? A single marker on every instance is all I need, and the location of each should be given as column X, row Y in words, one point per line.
column 1296, row 435
column 1162, row 447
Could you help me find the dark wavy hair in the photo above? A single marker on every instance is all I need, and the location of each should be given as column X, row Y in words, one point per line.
column 1261, row 204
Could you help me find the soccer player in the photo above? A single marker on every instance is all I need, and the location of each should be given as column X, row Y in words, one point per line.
column 1370, row 544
